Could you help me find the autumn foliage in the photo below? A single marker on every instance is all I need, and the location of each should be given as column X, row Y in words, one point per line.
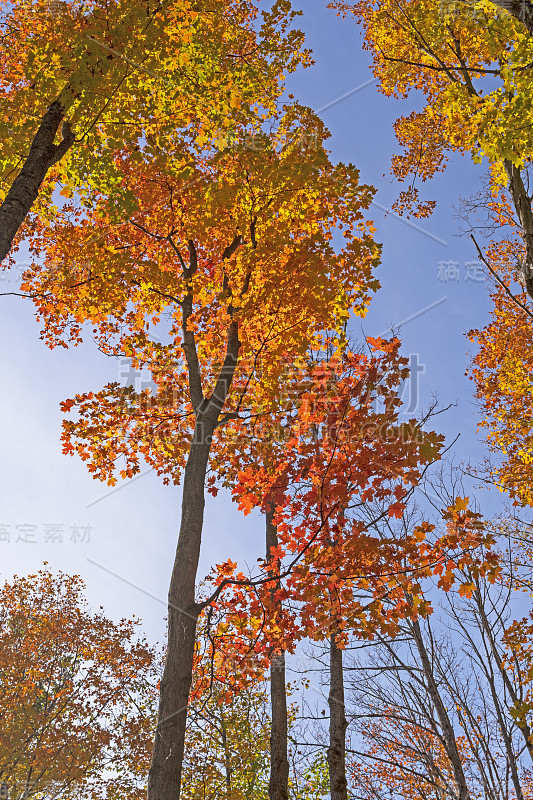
column 77, row 694
column 139, row 77
column 336, row 466
column 192, row 220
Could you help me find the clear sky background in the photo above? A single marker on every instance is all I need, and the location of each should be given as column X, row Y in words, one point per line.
column 122, row 540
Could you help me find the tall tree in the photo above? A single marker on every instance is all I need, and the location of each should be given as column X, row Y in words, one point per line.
column 469, row 62
column 344, row 444
column 278, row 787
column 501, row 369
column 239, row 254
column 437, row 706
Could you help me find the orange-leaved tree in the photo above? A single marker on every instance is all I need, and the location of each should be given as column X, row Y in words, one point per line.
column 240, row 255
column 503, row 365
column 77, row 695
column 328, row 574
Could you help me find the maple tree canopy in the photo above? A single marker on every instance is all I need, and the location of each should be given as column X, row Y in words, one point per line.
column 242, row 259
column 126, row 73
column 245, row 239
column 337, row 452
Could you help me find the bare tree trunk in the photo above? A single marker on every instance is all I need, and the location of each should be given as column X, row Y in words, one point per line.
column 278, row 786
column 448, row 734
column 164, row 779
column 338, row 784
column 227, row 754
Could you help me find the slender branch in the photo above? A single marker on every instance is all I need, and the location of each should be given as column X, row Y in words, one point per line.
column 499, row 280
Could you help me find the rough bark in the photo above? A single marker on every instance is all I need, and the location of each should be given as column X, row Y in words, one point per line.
column 25, row 188
column 448, row 734
column 336, row 754
column 522, row 204
column 278, row 786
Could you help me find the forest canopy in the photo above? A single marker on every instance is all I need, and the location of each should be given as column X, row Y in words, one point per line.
column 349, row 607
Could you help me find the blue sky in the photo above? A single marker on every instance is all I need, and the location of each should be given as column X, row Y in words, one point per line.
column 126, row 556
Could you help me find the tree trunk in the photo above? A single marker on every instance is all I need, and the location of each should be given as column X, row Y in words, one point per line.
column 227, row 754
column 448, row 734
column 278, row 786
column 524, row 212
column 25, row 188
column 164, row 778
column 165, row 772
column 521, row 724
column 338, row 785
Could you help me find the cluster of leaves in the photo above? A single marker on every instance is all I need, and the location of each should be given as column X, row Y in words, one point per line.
column 227, row 744
column 205, row 254
column 228, row 735
column 367, row 586
column 77, row 693
column 342, row 449
column 502, row 368
column 402, row 771
column 135, row 77
column 232, row 254
column 470, row 62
